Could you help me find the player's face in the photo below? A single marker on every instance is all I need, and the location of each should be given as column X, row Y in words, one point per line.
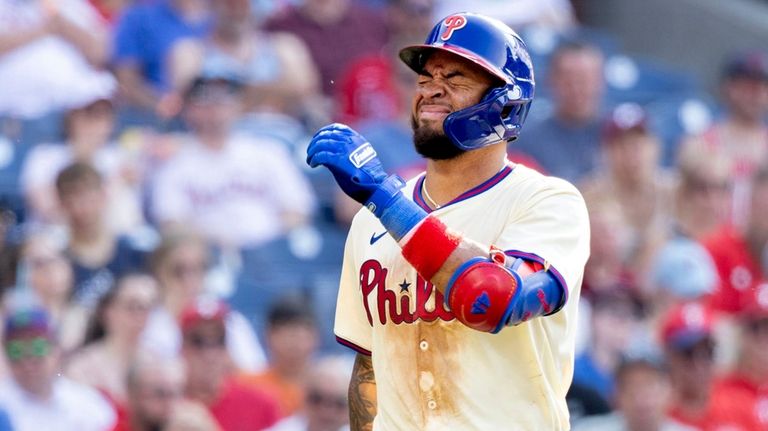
column 448, row 83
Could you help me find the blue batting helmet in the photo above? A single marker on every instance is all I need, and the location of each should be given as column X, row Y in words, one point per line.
column 496, row 48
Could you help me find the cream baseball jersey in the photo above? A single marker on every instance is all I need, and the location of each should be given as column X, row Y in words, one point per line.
column 434, row 373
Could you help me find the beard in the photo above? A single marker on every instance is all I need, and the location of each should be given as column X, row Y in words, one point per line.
column 433, row 144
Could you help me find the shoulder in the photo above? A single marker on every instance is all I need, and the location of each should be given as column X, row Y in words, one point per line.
column 80, row 395
column 534, row 182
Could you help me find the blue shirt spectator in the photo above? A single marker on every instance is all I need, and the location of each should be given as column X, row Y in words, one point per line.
column 146, row 33
column 588, row 374
column 5, row 422
column 569, row 152
column 91, row 282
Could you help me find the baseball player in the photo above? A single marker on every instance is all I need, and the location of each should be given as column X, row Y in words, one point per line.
column 459, row 288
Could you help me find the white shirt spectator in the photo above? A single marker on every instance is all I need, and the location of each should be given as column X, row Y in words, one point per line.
column 48, row 73
column 162, row 336
column 44, row 163
column 238, row 195
column 72, row 407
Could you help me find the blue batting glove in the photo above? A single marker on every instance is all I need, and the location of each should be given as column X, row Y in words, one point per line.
column 358, row 171
column 350, row 158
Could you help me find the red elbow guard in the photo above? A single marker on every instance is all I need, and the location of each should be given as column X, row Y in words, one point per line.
column 480, row 294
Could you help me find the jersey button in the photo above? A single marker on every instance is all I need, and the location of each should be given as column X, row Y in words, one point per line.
column 423, row 345
column 431, row 404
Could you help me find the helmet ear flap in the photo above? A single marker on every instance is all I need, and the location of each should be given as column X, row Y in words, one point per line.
column 498, row 117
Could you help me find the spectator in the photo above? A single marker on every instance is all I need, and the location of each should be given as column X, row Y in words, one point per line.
column 98, row 255
column 336, row 32
column 292, row 340
column 687, row 334
column 154, row 388
column 112, row 339
column 88, row 129
column 40, row 36
column 747, row 383
column 180, row 264
column 614, row 317
column 45, row 279
column 703, row 194
column 682, row 271
column 634, row 180
column 741, row 136
column 643, row 392
column 566, row 143
column 326, row 398
column 209, row 381
column 252, row 191
column 36, row 397
column 144, row 37
column 191, row 416
column 609, row 235
column 739, row 254
column 276, row 67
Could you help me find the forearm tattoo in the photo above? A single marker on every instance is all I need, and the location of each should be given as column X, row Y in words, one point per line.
column 362, row 395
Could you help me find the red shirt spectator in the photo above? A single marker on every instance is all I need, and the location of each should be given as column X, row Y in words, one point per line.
column 747, row 399
column 241, row 408
column 741, row 279
column 208, row 367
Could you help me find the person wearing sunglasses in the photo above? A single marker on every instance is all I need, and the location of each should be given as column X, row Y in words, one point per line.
column 35, row 396
column 325, row 402
column 209, row 371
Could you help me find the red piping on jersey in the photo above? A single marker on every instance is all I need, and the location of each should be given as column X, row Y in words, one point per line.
column 497, row 178
column 353, row 346
column 530, row 256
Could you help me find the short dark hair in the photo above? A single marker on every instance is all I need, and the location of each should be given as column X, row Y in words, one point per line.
column 291, row 310
column 628, row 364
column 76, row 174
column 574, row 45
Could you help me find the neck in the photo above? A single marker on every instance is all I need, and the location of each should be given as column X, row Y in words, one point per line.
column 692, row 401
column 290, row 370
column 175, row 304
column 121, row 348
column 87, row 234
column 190, row 10
column 42, row 392
column 213, row 141
column 447, row 179
column 754, row 371
column 205, row 392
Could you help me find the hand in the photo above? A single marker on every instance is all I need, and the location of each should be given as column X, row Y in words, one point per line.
column 350, row 158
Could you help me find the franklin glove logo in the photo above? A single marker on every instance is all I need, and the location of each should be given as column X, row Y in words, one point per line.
column 481, row 304
column 362, row 155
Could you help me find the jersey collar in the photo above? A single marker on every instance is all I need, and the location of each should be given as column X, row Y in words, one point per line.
column 486, row 185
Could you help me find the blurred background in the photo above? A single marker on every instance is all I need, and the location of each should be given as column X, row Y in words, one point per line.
column 169, row 262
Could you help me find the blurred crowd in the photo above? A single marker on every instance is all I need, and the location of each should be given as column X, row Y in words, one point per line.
column 168, row 262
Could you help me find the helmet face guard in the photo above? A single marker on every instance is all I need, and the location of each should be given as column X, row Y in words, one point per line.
column 496, row 48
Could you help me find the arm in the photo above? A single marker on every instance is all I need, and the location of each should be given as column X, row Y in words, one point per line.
column 362, row 395
column 91, row 43
column 11, row 41
column 133, row 87
column 482, row 287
